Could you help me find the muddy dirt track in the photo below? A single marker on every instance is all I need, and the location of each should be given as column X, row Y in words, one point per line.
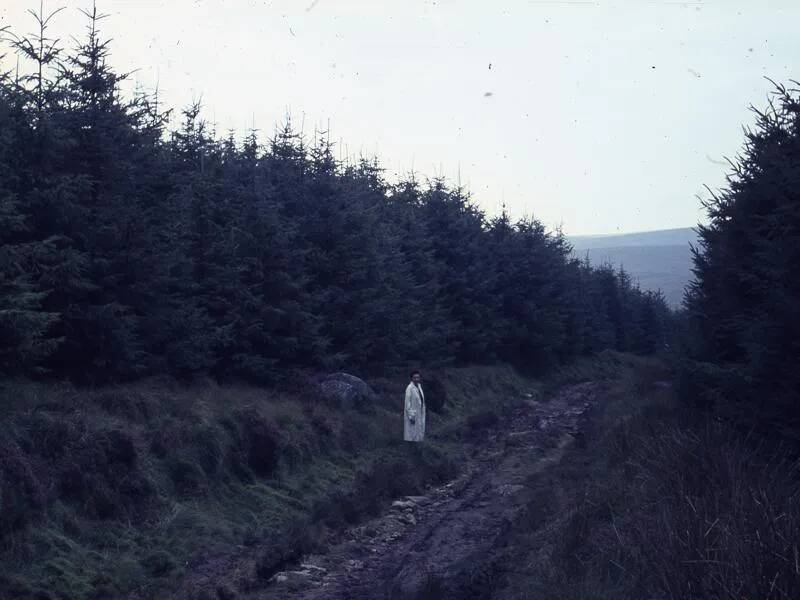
column 448, row 543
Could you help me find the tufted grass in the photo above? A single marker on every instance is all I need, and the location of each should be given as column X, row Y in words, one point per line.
column 131, row 490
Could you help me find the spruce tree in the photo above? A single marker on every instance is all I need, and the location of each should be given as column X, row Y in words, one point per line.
column 25, row 328
column 743, row 303
column 456, row 229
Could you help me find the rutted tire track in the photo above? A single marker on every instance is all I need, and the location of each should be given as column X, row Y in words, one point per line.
column 438, row 540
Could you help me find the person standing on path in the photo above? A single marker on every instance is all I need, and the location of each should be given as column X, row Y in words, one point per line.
column 414, row 413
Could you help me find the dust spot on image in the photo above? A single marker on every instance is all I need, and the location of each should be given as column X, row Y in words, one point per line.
column 716, row 162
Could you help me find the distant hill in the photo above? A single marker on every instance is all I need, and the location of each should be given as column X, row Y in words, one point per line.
column 658, row 260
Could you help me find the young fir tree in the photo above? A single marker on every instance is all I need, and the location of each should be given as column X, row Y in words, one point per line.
column 431, row 328
column 45, row 196
column 195, row 324
column 390, row 325
column 456, row 229
column 274, row 327
column 578, row 312
column 342, row 236
column 111, row 149
column 532, row 268
column 25, row 328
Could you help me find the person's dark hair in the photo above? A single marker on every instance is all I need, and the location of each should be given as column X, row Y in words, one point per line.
column 415, row 372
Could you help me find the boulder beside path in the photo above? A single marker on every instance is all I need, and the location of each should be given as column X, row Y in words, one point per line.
column 346, row 391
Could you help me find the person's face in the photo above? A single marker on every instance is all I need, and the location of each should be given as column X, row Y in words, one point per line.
column 416, row 378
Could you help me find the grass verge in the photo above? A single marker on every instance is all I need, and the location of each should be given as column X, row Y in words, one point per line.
column 656, row 502
column 135, row 490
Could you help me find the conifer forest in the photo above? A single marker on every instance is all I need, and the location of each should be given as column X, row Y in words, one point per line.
column 206, row 337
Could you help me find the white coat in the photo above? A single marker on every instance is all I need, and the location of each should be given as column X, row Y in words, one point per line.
column 414, row 414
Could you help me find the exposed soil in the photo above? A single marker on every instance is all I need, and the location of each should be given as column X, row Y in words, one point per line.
column 447, row 543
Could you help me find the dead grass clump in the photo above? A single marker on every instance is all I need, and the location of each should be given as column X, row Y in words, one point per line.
column 285, row 548
column 130, row 404
column 435, row 394
column 208, row 448
column 102, row 477
column 724, row 518
column 49, row 435
column 21, row 492
column 261, row 442
column 186, row 476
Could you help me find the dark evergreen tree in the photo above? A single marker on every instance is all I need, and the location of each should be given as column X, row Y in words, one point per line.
column 456, row 229
column 649, row 330
column 195, row 326
column 274, row 326
column 106, row 144
column 24, row 326
column 743, row 305
column 430, row 326
column 526, row 262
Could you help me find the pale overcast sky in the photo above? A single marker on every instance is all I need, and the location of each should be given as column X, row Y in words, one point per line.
column 600, row 116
